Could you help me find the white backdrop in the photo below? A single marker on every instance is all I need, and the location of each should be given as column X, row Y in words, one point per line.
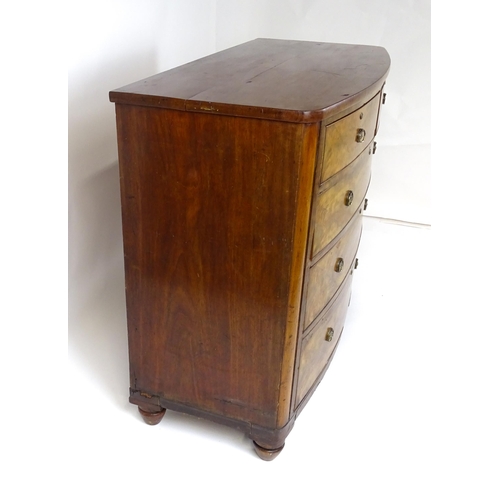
column 115, row 42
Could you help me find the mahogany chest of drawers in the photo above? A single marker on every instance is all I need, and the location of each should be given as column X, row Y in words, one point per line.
column 243, row 180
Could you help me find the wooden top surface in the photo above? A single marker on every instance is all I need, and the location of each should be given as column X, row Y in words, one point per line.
column 273, row 79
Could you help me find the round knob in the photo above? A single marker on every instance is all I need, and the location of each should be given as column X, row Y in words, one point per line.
column 339, row 265
column 349, row 196
column 329, row 334
column 360, row 135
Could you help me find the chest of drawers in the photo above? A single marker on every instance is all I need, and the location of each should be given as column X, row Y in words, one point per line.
column 243, row 181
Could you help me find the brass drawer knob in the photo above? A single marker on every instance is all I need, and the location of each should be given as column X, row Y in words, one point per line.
column 329, row 334
column 349, row 196
column 360, row 135
column 339, row 265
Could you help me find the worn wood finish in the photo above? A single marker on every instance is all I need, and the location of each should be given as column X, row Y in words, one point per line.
column 332, row 211
column 152, row 418
column 341, row 145
column 282, row 80
column 208, row 233
column 316, row 350
column 268, row 437
column 267, row 454
column 230, row 227
column 300, row 406
column 306, row 178
column 325, row 277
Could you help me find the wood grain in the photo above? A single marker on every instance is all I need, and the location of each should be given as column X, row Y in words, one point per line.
column 316, row 350
column 209, row 218
column 282, row 80
column 234, row 171
column 332, row 213
column 324, row 280
column 306, row 177
column 341, row 147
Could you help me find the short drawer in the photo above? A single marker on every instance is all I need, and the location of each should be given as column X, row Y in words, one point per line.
column 326, row 276
column 319, row 345
column 340, row 201
column 345, row 139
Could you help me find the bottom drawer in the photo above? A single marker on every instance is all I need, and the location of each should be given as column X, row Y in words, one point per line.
column 319, row 344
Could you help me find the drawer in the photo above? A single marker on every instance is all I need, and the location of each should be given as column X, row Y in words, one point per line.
column 337, row 204
column 345, row 139
column 326, row 276
column 319, row 345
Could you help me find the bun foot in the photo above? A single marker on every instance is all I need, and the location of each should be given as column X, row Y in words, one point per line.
column 267, row 454
column 152, row 417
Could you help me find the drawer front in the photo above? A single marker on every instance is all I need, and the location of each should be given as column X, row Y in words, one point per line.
column 326, row 276
column 319, row 345
column 345, row 139
column 337, row 204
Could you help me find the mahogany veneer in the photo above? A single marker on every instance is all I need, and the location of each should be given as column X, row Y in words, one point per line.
column 243, row 178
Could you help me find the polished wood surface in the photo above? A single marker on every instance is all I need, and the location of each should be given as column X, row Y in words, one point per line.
column 304, row 200
column 234, row 174
column 341, row 146
column 152, row 417
column 266, row 454
column 209, row 227
column 325, row 277
column 316, row 350
column 332, row 211
column 272, row 79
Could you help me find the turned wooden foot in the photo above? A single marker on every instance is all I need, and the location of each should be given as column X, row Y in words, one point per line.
column 152, row 417
column 267, row 454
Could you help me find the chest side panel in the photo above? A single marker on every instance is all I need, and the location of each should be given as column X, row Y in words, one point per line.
column 209, row 206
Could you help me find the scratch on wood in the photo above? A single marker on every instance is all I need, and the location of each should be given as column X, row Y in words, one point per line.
column 268, row 159
column 208, row 108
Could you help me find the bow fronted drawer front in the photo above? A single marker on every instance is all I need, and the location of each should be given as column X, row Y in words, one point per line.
column 348, row 137
column 326, row 276
column 319, row 345
column 339, row 201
